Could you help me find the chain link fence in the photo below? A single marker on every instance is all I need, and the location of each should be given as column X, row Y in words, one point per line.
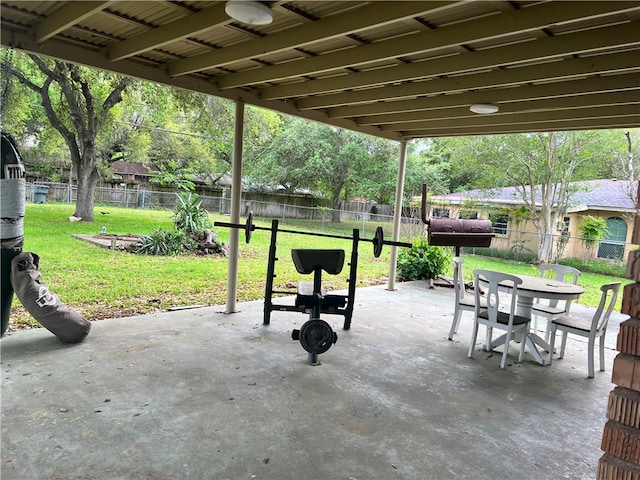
column 287, row 209
column 365, row 216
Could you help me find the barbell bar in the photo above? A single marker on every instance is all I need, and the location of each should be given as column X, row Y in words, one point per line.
column 378, row 240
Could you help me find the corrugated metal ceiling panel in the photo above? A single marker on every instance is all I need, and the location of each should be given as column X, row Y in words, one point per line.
column 325, row 56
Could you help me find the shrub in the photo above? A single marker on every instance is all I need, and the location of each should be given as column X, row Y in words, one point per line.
column 422, row 261
column 600, row 267
column 189, row 215
column 191, row 232
column 523, row 255
column 592, row 230
column 164, row 242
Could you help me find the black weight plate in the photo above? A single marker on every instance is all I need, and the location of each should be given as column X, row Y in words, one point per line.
column 316, row 336
column 248, row 228
column 378, row 242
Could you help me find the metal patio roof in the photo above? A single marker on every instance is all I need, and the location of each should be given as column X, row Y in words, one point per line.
column 398, row 70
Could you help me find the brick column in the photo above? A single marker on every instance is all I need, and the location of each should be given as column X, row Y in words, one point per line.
column 621, row 435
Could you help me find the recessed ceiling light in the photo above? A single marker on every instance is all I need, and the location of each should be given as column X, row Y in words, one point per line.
column 251, row 12
column 484, row 108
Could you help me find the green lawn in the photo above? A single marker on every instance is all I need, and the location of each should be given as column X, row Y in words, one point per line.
column 102, row 283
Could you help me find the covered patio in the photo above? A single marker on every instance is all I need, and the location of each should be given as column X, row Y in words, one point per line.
column 201, row 394
column 394, row 69
column 204, row 394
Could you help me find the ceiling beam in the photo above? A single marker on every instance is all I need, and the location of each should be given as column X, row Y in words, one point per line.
column 632, row 121
column 559, row 78
column 531, row 18
column 65, row 17
column 554, row 105
column 544, row 49
column 169, row 33
column 528, row 106
column 497, row 57
column 499, row 120
column 372, row 15
column 578, row 93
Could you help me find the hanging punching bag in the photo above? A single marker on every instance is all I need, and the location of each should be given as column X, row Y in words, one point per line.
column 12, row 195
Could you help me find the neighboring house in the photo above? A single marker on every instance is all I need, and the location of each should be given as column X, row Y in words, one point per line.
column 130, row 173
column 608, row 199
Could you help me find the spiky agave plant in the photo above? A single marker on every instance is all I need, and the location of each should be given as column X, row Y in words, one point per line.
column 189, row 215
column 164, row 242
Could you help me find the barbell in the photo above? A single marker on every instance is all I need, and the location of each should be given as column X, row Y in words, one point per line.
column 378, row 240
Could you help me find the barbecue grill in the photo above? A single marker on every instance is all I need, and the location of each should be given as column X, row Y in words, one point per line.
column 451, row 232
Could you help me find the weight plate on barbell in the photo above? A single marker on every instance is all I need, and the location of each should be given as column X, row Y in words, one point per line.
column 378, row 242
column 248, row 228
column 316, row 336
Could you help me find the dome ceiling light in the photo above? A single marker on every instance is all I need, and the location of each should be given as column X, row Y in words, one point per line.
column 484, row 108
column 250, row 12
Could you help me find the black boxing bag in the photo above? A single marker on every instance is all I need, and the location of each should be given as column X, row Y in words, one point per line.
column 12, row 208
column 63, row 321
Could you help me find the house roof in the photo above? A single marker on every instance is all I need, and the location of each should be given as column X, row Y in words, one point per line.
column 601, row 194
column 130, row 168
column 394, row 69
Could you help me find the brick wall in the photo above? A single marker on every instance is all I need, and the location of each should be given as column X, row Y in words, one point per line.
column 621, row 435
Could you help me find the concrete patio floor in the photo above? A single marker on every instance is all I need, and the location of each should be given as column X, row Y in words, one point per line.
column 197, row 394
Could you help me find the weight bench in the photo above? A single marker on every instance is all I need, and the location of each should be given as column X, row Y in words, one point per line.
column 313, row 300
column 316, row 335
column 305, row 263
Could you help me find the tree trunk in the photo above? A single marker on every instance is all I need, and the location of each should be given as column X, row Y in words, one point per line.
column 87, row 181
column 335, row 208
column 545, row 250
column 546, row 227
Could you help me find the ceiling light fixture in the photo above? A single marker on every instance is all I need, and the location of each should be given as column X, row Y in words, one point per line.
column 251, row 12
column 484, row 108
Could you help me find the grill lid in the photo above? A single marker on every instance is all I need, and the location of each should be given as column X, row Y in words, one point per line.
column 449, row 232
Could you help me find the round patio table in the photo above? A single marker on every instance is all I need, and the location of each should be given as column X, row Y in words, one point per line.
column 530, row 289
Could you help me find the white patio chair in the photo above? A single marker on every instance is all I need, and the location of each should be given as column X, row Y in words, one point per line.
column 463, row 302
column 551, row 309
column 591, row 328
column 499, row 312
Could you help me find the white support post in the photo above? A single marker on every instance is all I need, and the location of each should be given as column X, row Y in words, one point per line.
column 236, row 198
column 397, row 215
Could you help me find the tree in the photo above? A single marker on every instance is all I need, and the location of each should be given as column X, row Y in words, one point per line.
column 336, row 152
column 213, row 119
column 284, row 161
column 311, row 155
column 427, row 162
column 26, row 122
column 77, row 102
column 375, row 175
column 628, row 162
column 205, row 149
column 540, row 166
column 158, row 127
column 16, row 107
column 448, row 156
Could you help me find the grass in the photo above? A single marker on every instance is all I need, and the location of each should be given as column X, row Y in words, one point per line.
column 589, row 281
column 102, row 283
